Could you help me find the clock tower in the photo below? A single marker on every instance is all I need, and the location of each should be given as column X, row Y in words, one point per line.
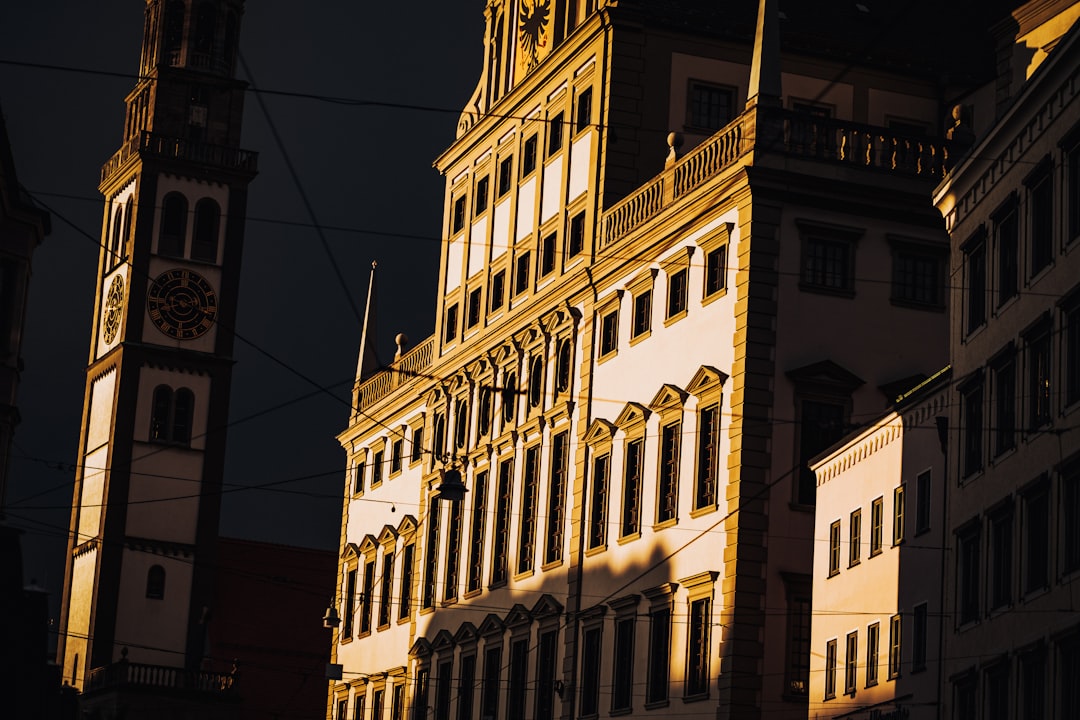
column 147, row 498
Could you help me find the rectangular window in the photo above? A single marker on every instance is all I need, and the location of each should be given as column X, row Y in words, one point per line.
column 459, row 214
column 708, row 468
column 919, row 637
column 385, row 601
column 873, row 640
column 798, row 638
column 349, row 606
column 1038, row 355
column 545, row 675
column 1033, row 686
column 997, row 691
column 854, row 537
column 466, row 687
column 1041, row 211
column 834, row 548
column 1071, row 341
column 521, row 273
column 851, row 662
column 529, row 485
column 500, row 546
column 659, row 656
column 1007, row 234
column 431, row 564
column 417, row 448
column 622, row 675
column 918, row 278
column 877, row 515
column 405, row 598
column 820, row 425
column 555, row 134
column 598, row 504
column 827, row 265
column 631, row 505
column 575, row 241
column 342, row 710
column 377, row 703
column 489, row 696
column 556, row 494
column 1072, row 190
column 1001, row 559
column 472, row 319
column 895, row 628
column 830, row 670
column 1036, row 539
column 519, row 678
column 584, row 110
column 358, row 714
column 377, row 469
column 642, row 314
column 899, row 513
column 506, row 175
column 975, row 269
column 476, row 534
column 547, row 255
column 396, row 449
column 366, row 600
column 922, row 502
column 667, row 490
column 964, row 698
column 420, row 694
column 1004, row 378
column 480, row 202
column 715, row 270
column 609, row 332
column 591, row 655
column 697, row 648
column 444, row 690
column 967, row 575
column 498, row 290
column 677, row 288
column 358, row 477
column 453, row 556
column 450, row 328
column 528, row 156
column 971, row 425
column 1070, row 521
column 1068, row 671
column 710, row 106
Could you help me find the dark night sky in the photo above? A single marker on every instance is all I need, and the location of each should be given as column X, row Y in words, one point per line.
column 366, row 168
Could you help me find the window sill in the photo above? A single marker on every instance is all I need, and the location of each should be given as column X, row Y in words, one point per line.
column 620, row 711
column 606, row 356
column 703, row 510
column 346, row 639
column 403, row 620
column 657, row 704
column 875, row 552
column 638, row 338
column 595, row 550
column 697, row 697
column 853, row 563
column 665, row 524
column 447, row 602
column 797, row 506
column 427, row 610
column 917, row 670
column 496, row 585
column 672, row 319
column 916, row 305
column 1030, row 595
column 871, row 683
column 524, row 574
column 551, row 565
column 709, row 299
column 469, row 594
column 833, row 573
column 623, row 540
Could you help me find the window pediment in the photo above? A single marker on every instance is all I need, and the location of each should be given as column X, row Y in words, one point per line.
column 407, row 526
column 351, row 552
column 388, row 536
column 492, row 625
column 632, row 415
column 678, row 260
column 669, row 397
column 546, row 606
column 368, row 545
column 443, row 641
column 420, row 649
column 599, row 431
column 517, row 616
column 467, row 633
column 705, row 379
column 826, row 376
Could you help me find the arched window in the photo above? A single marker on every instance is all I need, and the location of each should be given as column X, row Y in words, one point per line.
column 483, row 414
column 439, row 435
column 204, row 241
column 155, row 583
column 117, row 231
column 129, row 226
column 562, row 367
column 461, row 424
column 174, row 31
column 174, row 212
column 536, row 381
column 230, row 41
column 205, row 27
column 509, row 397
column 171, row 415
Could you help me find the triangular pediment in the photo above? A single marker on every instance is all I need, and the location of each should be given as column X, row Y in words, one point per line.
column 350, row 552
column 668, row 397
column 599, row 430
column 517, row 616
column 492, row 625
column 632, row 414
column 420, row 649
column 388, row 536
column 546, row 606
column 825, row 376
column 368, row 545
column 467, row 633
column 706, row 378
column 443, row 641
column 407, row 526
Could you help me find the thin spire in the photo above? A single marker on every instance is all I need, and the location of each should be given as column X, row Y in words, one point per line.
column 368, row 362
column 765, row 68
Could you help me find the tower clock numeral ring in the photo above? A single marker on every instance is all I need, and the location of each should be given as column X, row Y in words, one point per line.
column 182, row 304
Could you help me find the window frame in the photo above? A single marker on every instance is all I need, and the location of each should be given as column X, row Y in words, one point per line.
column 813, row 278
column 692, row 103
column 905, row 288
column 975, row 287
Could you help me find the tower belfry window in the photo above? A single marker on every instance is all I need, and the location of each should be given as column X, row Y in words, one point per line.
column 117, row 230
column 155, row 583
column 171, row 415
column 174, row 211
column 204, row 240
column 205, row 29
column 174, row 31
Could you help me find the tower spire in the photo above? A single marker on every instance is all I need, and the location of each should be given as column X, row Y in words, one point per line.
column 765, row 67
column 368, row 360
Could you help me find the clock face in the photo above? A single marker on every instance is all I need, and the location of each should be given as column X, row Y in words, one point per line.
column 114, row 304
column 182, row 304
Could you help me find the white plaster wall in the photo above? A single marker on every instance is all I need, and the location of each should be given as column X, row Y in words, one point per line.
column 581, row 166
column 163, row 495
column 886, row 105
column 500, row 229
column 477, row 245
column 455, row 255
column 78, row 620
column 551, row 202
column 101, row 410
column 526, row 208
column 153, row 631
column 93, row 493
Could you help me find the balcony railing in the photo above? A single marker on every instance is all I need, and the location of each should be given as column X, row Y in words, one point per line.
column 154, row 145
column 777, row 131
column 129, row 674
column 384, row 382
